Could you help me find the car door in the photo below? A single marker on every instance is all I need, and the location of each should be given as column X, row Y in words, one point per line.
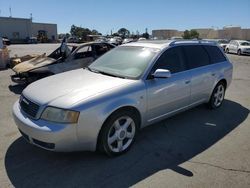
column 234, row 47
column 168, row 95
column 82, row 57
column 230, row 46
column 201, row 72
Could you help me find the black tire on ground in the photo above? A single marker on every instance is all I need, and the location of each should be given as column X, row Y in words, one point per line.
column 217, row 96
column 239, row 52
column 109, row 130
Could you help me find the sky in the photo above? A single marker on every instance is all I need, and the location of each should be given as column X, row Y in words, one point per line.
column 107, row 15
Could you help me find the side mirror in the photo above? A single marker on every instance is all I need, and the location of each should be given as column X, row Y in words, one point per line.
column 161, row 73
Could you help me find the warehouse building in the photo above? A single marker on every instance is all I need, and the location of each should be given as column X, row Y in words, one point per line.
column 228, row 32
column 19, row 30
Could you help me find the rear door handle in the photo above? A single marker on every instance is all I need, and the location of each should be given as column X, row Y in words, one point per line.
column 187, row 81
column 213, row 74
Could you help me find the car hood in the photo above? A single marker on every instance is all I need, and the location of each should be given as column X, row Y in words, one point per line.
column 67, row 89
column 36, row 62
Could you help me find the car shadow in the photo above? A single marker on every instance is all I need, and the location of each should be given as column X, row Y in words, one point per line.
column 162, row 146
column 18, row 88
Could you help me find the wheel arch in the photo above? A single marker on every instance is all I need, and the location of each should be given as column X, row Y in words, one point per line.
column 117, row 110
column 224, row 81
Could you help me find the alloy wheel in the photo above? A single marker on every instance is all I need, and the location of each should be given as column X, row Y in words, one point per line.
column 121, row 134
column 219, row 95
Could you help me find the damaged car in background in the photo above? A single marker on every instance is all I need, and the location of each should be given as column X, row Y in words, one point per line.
column 66, row 57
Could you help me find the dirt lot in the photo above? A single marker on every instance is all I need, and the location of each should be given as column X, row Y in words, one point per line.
column 198, row 148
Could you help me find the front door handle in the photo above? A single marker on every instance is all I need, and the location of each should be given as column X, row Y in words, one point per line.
column 213, row 74
column 187, row 81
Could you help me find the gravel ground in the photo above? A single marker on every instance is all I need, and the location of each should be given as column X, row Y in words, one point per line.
column 197, row 148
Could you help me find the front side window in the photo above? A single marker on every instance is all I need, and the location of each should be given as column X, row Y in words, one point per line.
column 172, row 60
column 196, row 56
column 127, row 62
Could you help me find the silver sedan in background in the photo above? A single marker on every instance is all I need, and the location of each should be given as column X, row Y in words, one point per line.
column 126, row 89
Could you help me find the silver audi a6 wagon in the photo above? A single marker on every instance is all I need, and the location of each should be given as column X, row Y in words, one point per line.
column 128, row 88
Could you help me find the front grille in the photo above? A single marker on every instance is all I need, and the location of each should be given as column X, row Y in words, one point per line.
column 44, row 144
column 29, row 107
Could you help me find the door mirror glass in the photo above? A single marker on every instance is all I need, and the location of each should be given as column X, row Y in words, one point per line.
column 161, row 73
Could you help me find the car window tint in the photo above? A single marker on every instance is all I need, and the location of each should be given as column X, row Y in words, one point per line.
column 215, row 54
column 171, row 60
column 196, row 56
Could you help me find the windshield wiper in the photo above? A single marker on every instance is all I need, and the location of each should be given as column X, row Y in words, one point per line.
column 113, row 75
column 104, row 73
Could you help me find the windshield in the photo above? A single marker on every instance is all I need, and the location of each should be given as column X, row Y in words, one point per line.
column 245, row 44
column 223, row 41
column 126, row 62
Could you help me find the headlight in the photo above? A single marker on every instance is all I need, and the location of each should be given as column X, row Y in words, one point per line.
column 60, row 115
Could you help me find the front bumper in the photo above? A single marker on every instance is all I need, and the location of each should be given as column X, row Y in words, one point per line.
column 47, row 135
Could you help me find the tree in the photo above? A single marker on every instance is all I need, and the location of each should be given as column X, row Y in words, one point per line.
column 123, row 32
column 186, row 34
column 192, row 34
column 82, row 33
column 95, row 32
column 145, row 35
column 115, row 35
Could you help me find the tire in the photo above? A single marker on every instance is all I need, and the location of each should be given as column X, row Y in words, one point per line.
column 227, row 50
column 118, row 133
column 217, row 96
column 239, row 52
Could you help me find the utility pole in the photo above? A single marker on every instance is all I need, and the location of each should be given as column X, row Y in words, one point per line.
column 10, row 12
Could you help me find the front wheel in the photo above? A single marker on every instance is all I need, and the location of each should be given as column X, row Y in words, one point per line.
column 217, row 96
column 118, row 133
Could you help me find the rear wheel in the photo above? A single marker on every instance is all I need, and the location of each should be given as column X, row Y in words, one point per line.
column 217, row 96
column 118, row 133
column 239, row 52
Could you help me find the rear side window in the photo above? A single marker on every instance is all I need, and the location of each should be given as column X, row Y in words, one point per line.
column 171, row 60
column 215, row 54
column 196, row 56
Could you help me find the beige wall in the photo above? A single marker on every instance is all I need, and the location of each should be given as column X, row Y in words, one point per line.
column 207, row 33
column 21, row 28
column 246, row 34
column 15, row 28
column 165, row 33
column 50, row 28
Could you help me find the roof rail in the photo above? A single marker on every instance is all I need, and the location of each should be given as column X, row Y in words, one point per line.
column 189, row 41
